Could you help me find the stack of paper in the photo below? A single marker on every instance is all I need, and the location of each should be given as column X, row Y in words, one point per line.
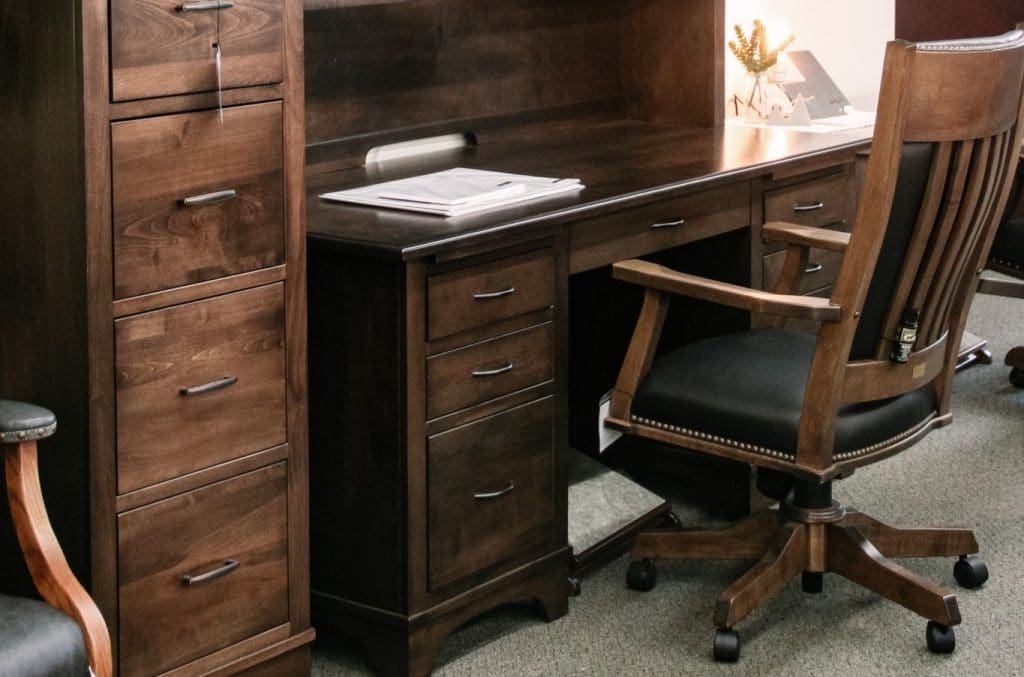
column 455, row 192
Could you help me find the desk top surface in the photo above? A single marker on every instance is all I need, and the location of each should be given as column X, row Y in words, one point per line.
column 620, row 162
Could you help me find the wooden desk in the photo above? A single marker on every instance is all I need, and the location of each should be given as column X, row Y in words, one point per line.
column 403, row 436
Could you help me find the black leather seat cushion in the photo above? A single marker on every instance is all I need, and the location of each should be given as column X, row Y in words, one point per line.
column 38, row 640
column 749, row 388
column 21, row 421
column 1008, row 246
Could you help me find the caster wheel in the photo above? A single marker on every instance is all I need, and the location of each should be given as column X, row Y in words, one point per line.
column 726, row 645
column 1017, row 377
column 970, row 572
column 641, row 575
column 812, row 581
column 672, row 521
column 940, row 638
column 574, row 586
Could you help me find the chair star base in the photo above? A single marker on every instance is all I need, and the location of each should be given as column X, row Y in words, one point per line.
column 809, row 538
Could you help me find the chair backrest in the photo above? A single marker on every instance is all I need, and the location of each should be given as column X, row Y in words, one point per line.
column 946, row 141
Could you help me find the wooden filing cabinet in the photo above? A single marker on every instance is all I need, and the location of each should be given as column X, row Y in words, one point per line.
column 438, row 472
column 165, row 324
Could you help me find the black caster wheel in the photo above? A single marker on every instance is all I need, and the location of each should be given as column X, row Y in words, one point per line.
column 672, row 521
column 641, row 575
column 812, row 581
column 970, row 572
column 726, row 645
column 1017, row 377
column 574, row 586
column 940, row 638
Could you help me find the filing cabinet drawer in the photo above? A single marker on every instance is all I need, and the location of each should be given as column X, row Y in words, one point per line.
column 166, row 47
column 478, row 295
column 817, row 202
column 161, row 165
column 203, row 570
column 199, row 384
column 490, row 491
column 655, row 227
column 488, row 369
column 821, row 271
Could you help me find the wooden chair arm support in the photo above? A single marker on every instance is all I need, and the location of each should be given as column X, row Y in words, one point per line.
column 806, row 236
column 659, row 277
column 45, row 559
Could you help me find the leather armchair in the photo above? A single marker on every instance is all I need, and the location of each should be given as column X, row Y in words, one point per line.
column 65, row 634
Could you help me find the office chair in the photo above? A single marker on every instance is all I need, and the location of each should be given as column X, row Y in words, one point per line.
column 1007, row 256
column 877, row 375
column 66, row 635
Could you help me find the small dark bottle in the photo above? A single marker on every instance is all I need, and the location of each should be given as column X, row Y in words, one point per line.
column 906, row 337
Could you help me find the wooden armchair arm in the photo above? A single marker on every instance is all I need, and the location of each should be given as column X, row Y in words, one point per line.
column 654, row 276
column 805, row 236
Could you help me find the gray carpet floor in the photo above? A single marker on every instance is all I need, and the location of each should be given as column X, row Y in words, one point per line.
column 966, row 474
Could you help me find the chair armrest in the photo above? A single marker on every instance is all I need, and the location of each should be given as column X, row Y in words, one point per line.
column 665, row 279
column 807, row 236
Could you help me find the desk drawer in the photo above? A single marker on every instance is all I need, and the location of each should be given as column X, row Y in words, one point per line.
column 159, row 242
column 164, row 431
column 489, row 369
column 490, row 491
column 822, row 268
column 159, row 49
column 164, row 620
column 478, row 295
column 818, row 202
column 653, row 227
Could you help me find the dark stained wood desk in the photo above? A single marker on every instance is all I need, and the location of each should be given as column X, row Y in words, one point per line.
column 440, row 422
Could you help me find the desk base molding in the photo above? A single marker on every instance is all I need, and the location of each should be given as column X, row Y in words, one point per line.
column 397, row 644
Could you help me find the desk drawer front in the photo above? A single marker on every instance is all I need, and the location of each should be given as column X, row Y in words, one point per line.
column 229, row 351
column 817, row 202
column 472, row 297
column 162, row 164
column 649, row 228
column 491, row 491
column 165, row 47
column 489, row 369
column 166, row 621
column 821, row 271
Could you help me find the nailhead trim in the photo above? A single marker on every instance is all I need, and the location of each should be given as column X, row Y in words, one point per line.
column 1007, row 264
column 773, row 453
column 30, row 434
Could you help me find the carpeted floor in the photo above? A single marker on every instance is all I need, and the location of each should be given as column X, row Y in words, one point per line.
column 968, row 474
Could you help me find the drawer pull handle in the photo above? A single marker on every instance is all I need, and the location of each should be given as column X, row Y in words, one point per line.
column 223, row 570
column 483, row 296
column 205, row 5
column 208, row 198
column 668, row 224
column 219, row 384
column 808, row 206
column 495, row 494
column 478, row 373
column 813, row 268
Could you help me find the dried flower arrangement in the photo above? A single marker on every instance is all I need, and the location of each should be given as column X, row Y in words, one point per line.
column 754, row 53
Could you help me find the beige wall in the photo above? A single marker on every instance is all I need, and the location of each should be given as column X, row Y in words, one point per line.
column 847, row 37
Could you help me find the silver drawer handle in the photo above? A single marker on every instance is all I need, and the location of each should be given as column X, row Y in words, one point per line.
column 808, row 206
column 668, row 224
column 495, row 494
column 493, row 372
column 228, row 566
column 813, row 268
column 494, row 294
column 205, row 5
column 219, row 384
column 208, row 198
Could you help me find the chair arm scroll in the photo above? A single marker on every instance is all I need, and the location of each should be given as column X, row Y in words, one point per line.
column 659, row 277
